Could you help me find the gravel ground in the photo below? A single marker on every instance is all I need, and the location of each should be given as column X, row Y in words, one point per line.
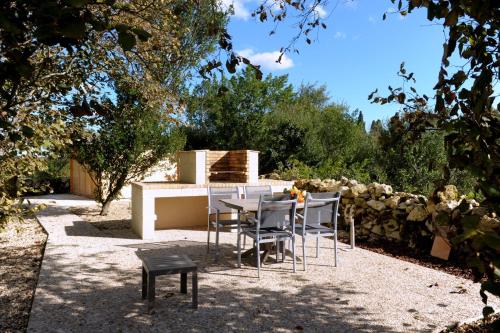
column 21, row 249
column 90, row 281
column 402, row 252
column 119, row 216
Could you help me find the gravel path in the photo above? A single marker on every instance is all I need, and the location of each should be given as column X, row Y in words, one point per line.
column 90, row 282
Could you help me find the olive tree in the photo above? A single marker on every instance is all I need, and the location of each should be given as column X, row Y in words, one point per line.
column 123, row 142
column 56, row 55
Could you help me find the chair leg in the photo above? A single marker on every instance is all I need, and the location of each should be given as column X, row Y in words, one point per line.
column 283, row 251
column 277, row 249
column 293, row 252
column 304, row 252
column 317, row 246
column 335, row 248
column 257, row 249
column 208, row 237
column 239, row 250
column 244, row 241
column 216, row 241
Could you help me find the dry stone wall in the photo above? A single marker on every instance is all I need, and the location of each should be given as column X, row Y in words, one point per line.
column 381, row 213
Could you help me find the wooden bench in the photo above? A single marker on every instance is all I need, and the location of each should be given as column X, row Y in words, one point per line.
column 156, row 265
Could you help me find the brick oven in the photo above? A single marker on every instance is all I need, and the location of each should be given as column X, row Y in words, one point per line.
column 209, row 166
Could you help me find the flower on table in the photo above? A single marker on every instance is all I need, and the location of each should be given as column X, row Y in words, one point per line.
column 296, row 193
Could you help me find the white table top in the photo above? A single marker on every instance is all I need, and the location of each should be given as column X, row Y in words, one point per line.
column 248, row 205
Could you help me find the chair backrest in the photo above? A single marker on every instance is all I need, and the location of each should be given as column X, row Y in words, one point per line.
column 321, row 208
column 276, row 211
column 254, row 191
column 217, row 193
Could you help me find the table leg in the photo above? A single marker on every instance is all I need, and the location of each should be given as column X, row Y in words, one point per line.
column 184, row 283
column 144, row 283
column 195, row 289
column 151, row 290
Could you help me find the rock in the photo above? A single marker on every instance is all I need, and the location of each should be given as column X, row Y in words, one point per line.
column 446, row 206
column 396, row 235
column 377, row 230
column 356, row 190
column 479, row 211
column 274, row 176
column 360, row 202
column 450, row 192
column 342, row 189
column 473, row 202
column 390, row 226
column 392, row 202
column 489, row 224
column 315, row 182
column 359, row 211
column 352, row 183
column 377, row 205
column 301, row 183
column 378, row 190
column 344, row 181
column 418, row 214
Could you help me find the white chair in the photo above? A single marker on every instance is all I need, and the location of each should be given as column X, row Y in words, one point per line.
column 319, row 220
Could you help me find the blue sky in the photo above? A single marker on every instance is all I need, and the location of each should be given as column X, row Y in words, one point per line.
column 357, row 53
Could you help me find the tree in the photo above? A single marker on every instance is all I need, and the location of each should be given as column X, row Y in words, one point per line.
column 123, row 143
column 228, row 113
column 414, row 164
column 146, row 80
column 57, row 55
column 464, row 112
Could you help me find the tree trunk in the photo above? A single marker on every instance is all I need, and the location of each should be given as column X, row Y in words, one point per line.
column 105, row 207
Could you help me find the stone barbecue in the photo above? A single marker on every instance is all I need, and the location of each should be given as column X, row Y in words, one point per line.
column 205, row 166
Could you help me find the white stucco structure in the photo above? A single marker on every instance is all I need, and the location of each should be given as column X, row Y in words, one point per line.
column 164, row 205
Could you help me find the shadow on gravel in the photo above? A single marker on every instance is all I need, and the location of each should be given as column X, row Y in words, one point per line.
column 107, row 297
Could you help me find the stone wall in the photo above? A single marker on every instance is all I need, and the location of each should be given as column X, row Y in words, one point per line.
column 381, row 213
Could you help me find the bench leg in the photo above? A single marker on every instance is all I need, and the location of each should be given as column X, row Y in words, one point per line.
column 184, row 283
column 144, row 283
column 195, row 289
column 151, row 290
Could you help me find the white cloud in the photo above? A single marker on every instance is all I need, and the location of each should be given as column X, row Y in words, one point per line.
column 267, row 60
column 240, row 11
column 339, row 35
column 320, row 11
column 353, row 4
